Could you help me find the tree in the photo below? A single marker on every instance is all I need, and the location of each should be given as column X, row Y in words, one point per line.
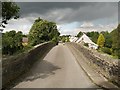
column 118, row 28
column 11, row 42
column 65, row 38
column 9, row 10
column 101, row 40
column 116, row 41
column 79, row 34
column 93, row 36
column 18, row 40
column 43, row 31
column 108, row 39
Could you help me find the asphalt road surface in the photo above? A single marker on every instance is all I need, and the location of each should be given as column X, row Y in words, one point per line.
column 58, row 69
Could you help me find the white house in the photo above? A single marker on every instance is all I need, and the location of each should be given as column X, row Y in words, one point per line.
column 85, row 39
column 73, row 39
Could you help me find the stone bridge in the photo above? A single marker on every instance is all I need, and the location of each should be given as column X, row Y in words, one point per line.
column 68, row 65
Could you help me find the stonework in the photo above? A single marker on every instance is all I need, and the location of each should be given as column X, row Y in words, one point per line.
column 15, row 66
column 108, row 67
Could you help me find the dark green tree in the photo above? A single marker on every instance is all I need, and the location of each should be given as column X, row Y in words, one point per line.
column 93, row 36
column 79, row 34
column 18, row 40
column 108, row 39
column 9, row 10
column 11, row 42
column 43, row 31
column 116, row 41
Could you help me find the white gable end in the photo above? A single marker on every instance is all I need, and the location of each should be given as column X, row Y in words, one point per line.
column 86, row 39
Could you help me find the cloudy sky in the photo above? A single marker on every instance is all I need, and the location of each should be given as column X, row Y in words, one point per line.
column 71, row 17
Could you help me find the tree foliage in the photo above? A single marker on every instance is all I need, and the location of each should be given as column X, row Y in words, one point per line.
column 93, row 36
column 65, row 38
column 108, row 39
column 9, row 10
column 42, row 31
column 11, row 42
column 116, row 41
column 101, row 40
column 79, row 34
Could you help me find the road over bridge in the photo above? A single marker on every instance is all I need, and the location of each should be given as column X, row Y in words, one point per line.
column 58, row 69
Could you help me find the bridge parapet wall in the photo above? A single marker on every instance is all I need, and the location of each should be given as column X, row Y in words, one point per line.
column 15, row 66
column 108, row 67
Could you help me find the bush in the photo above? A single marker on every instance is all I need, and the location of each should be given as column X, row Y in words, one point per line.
column 106, row 50
column 86, row 44
column 11, row 42
column 116, row 52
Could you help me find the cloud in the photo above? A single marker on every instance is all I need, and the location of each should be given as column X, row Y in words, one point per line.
column 86, row 27
column 64, row 12
column 97, row 28
column 87, row 24
column 22, row 24
column 71, row 17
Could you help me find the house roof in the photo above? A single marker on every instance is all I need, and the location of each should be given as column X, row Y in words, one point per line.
column 24, row 39
column 73, row 39
column 86, row 39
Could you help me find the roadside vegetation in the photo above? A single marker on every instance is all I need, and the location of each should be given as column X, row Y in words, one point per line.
column 108, row 42
column 12, row 41
column 44, row 31
column 64, row 38
column 41, row 31
column 9, row 10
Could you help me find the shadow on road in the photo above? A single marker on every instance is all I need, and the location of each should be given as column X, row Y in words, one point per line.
column 41, row 70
